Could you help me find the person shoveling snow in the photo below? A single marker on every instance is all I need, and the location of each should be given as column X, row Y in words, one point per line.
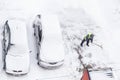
column 89, row 37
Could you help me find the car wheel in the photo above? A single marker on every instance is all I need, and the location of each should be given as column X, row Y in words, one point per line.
column 38, row 63
column 34, row 34
column 4, row 67
column 37, row 56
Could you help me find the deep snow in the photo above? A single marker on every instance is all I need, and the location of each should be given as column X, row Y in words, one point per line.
column 77, row 18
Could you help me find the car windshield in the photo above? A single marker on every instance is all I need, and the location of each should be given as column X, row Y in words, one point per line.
column 17, row 50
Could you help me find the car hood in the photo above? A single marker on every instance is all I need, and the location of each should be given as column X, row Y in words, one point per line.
column 51, row 51
column 14, row 62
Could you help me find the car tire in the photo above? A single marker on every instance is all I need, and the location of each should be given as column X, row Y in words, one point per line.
column 38, row 63
column 37, row 56
column 34, row 34
column 4, row 67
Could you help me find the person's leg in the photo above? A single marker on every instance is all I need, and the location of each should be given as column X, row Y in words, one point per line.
column 87, row 42
column 91, row 40
column 82, row 42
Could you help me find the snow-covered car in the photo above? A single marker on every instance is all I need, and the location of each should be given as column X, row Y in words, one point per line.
column 15, row 48
column 50, row 49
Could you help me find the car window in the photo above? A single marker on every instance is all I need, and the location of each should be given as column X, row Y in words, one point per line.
column 40, row 34
column 6, row 36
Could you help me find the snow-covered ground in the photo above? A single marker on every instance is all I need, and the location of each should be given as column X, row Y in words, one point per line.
column 77, row 18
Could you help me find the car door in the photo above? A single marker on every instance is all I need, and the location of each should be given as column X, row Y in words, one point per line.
column 39, row 34
column 36, row 31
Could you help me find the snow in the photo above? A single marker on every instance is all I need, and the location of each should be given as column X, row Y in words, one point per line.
column 101, row 75
column 17, row 57
column 18, row 29
column 52, row 49
column 18, row 50
column 77, row 17
column 17, row 63
column 20, row 45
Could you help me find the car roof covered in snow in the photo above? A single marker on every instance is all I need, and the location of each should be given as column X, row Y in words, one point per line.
column 52, row 48
column 18, row 36
column 51, row 26
column 18, row 31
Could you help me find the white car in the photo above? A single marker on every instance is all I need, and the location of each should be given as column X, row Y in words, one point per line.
column 50, row 49
column 15, row 48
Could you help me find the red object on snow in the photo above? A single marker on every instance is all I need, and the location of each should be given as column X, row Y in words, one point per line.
column 86, row 75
